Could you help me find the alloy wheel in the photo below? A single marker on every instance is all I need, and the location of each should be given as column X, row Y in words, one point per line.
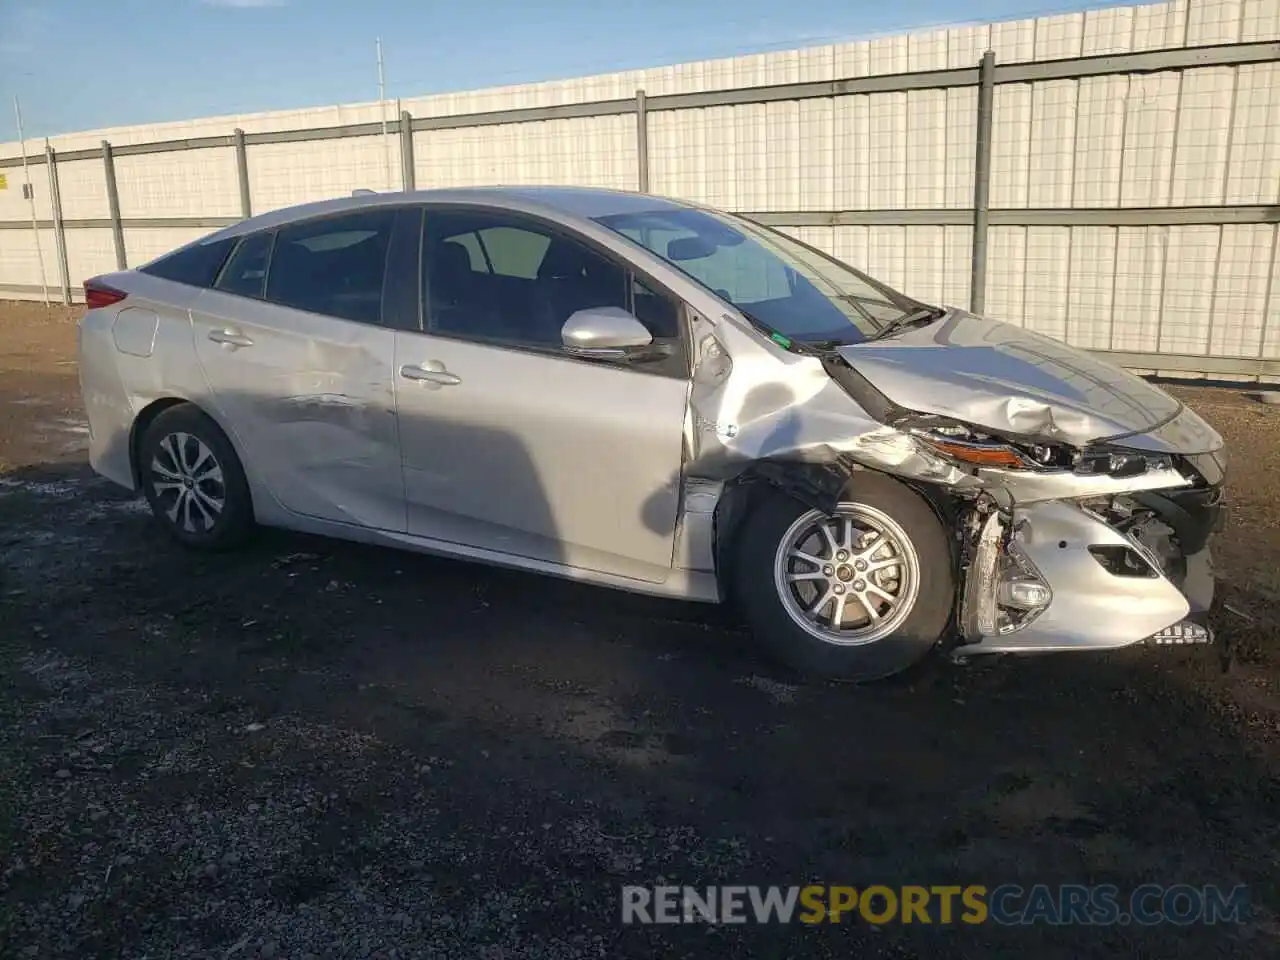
column 849, row 578
column 188, row 482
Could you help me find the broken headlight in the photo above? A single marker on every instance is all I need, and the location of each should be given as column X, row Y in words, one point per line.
column 1122, row 463
column 976, row 447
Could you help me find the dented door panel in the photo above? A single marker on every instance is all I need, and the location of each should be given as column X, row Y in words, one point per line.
column 309, row 399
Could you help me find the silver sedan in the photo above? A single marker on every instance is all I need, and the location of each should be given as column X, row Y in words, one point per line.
column 658, row 397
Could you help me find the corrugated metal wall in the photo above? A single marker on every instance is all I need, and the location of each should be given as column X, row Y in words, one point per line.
column 1204, row 136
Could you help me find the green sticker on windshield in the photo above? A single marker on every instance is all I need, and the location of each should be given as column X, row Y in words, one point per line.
column 781, row 340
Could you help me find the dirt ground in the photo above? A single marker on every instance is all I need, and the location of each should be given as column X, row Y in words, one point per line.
column 312, row 749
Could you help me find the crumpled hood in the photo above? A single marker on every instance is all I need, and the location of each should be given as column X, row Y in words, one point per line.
column 1011, row 380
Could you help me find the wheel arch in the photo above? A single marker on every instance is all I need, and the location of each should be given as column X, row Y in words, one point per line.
column 147, row 416
column 819, row 485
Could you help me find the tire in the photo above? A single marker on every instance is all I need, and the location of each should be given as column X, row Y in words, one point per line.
column 180, row 503
column 906, row 630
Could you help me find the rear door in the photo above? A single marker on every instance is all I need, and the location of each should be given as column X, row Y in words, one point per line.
column 298, row 360
column 511, row 445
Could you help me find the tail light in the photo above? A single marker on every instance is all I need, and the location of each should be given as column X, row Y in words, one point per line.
column 97, row 294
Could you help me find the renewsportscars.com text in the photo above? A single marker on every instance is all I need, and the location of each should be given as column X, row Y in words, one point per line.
column 1006, row 904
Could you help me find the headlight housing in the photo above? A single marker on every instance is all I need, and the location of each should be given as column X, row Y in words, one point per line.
column 1120, row 463
column 973, row 446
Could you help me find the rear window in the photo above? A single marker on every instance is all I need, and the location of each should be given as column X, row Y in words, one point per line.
column 246, row 272
column 196, row 264
column 334, row 266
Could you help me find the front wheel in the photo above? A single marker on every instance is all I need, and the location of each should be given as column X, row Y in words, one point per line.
column 860, row 594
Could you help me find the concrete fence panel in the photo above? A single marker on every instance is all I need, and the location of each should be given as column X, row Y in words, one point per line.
column 1114, row 181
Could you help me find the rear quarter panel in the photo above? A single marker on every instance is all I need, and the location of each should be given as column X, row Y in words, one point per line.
column 132, row 354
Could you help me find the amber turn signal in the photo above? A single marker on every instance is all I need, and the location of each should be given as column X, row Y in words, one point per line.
column 980, row 455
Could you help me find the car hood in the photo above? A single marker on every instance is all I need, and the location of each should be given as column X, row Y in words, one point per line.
column 1011, row 380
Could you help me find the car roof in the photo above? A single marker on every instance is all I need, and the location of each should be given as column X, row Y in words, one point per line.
column 565, row 203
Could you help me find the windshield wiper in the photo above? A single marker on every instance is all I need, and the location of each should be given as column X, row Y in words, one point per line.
column 909, row 319
column 856, row 302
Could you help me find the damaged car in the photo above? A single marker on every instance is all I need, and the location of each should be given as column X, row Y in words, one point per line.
column 660, row 397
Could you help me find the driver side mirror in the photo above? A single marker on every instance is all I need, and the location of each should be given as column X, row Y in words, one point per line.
column 604, row 333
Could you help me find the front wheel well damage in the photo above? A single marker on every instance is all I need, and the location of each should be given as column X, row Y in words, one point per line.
column 819, row 485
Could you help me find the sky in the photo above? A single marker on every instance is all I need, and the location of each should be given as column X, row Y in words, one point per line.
column 86, row 64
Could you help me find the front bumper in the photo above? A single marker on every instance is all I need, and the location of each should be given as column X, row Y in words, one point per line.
column 1091, row 606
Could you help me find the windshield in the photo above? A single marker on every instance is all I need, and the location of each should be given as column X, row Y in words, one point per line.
column 788, row 286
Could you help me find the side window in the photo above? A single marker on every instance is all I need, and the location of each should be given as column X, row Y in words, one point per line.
column 246, row 272
column 515, row 252
column 197, row 264
column 333, row 266
column 538, row 279
column 471, row 243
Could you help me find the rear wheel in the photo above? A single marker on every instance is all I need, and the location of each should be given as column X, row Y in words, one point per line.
column 860, row 594
column 193, row 480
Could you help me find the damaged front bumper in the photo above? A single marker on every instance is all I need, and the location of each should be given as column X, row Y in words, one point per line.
column 1065, row 575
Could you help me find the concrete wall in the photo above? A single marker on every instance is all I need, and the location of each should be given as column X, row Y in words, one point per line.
column 1204, row 136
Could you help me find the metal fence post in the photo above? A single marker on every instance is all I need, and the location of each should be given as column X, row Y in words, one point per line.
column 642, row 141
column 982, row 183
column 113, row 204
column 59, row 228
column 408, row 175
column 242, row 174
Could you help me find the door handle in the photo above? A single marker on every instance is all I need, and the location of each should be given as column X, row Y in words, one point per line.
column 229, row 338
column 425, row 374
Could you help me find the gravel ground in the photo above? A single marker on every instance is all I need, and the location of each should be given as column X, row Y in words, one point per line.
column 312, row 749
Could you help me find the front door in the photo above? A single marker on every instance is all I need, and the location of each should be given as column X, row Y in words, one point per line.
column 508, row 443
column 299, row 366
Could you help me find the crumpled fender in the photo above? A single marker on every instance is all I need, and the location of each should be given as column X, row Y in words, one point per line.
column 753, row 411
